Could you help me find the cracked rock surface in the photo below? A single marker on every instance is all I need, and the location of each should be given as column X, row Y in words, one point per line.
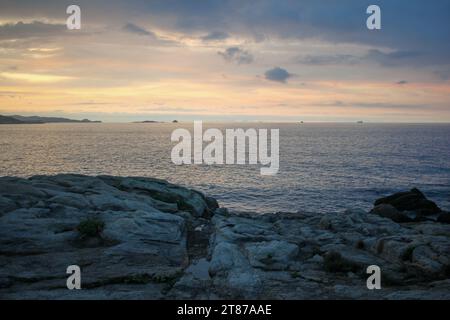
column 143, row 238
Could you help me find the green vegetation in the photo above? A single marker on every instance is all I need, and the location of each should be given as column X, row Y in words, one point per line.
column 360, row 245
column 136, row 279
column 91, row 227
column 407, row 254
column 334, row 262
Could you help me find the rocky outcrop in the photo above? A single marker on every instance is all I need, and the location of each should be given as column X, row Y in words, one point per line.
column 304, row 256
column 408, row 206
column 128, row 235
column 143, row 238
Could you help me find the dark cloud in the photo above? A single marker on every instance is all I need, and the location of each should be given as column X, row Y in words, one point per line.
column 21, row 30
column 321, row 60
column 443, row 74
column 402, row 82
column 215, row 36
column 135, row 29
column 413, row 26
column 237, row 55
column 398, row 58
column 277, row 74
column 407, row 26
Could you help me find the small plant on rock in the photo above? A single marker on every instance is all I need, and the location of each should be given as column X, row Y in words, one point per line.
column 360, row 245
column 334, row 262
column 91, row 227
column 408, row 253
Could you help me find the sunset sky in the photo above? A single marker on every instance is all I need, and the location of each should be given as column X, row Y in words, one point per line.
column 269, row 60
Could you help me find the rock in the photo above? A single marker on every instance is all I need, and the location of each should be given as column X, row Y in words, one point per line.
column 275, row 255
column 144, row 238
column 390, row 212
column 72, row 200
column 221, row 211
column 413, row 200
column 140, row 251
column 335, row 262
column 6, row 205
column 225, row 257
column 325, row 223
column 146, row 232
column 316, row 259
column 212, row 203
column 192, row 201
column 431, row 229
column 426, row 259
column 199, row 269
column 444, row 217
column 20, row 187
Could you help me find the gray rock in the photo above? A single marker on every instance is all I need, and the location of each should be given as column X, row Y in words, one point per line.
column 139, row 253
column 143, row 238
column 6, row 205
column 72, row 200
column 186, row 199
column 20, row 187
column 388, row 211
column 413, row 200
column 275, row 255
column 444, row 217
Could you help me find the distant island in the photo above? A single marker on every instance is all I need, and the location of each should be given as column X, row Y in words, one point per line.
column 153, row 121
column 16, row 119
column 147, row 121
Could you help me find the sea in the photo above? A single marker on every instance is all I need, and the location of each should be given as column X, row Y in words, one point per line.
column 324, row 167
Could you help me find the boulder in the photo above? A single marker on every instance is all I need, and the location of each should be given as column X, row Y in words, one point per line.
column 413, row 200
column 189, row 200
column 388, row 211
column 444, row 217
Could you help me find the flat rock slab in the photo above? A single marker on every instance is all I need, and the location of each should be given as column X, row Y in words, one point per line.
column 140, row 239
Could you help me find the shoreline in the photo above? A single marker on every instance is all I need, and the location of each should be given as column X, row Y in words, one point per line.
column 145, row 238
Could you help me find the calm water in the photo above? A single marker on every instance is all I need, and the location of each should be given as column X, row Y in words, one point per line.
column 323, row 167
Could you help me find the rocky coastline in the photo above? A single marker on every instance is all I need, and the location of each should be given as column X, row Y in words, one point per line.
column 144, row 238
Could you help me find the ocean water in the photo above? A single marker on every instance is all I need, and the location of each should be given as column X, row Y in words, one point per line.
column 323, row 167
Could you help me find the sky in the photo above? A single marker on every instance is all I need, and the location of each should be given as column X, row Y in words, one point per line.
column 226, row 60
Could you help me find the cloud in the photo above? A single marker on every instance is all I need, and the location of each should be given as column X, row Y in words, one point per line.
column 277, row 74
column 322, row 60
column 391, row 106
column 443, row 74
column 329, row 21
column 33, row 77
column 373, row 105
column 21, row 30
column 215, row 36
column 135, row 29
column 237, row 55
column 395, row 58
column 402, row 82
column 398, row 58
